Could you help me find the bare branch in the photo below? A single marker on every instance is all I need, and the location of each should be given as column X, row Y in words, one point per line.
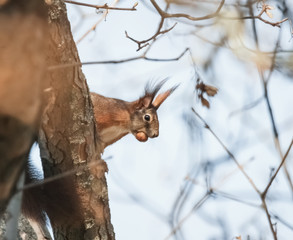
column 244, row 173
column 93, row 28
column 143, row 56
column 266, row 94
column 271, row 115
column 96, row 164
column 277, row 171
column 144, row 43
column 273, row 230
column 105, row 6
column 182, row 15
column 274, row 24
column 265, row 9
column 164, row 15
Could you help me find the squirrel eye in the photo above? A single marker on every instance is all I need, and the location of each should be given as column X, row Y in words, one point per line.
column 147, row 117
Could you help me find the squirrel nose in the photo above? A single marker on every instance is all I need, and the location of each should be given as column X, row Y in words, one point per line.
column 155, row 135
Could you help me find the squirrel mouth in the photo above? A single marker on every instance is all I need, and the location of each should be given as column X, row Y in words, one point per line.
column 141, row 136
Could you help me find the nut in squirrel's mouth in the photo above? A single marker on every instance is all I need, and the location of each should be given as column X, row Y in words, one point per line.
column 141, row 136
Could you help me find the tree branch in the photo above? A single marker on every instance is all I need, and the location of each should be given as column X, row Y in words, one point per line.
column 164, row 15
column 143, row 56
column 105, row 6
column 264, row 194
column 182, row 15
column 144, row 43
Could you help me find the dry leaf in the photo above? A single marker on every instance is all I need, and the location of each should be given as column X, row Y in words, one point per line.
column 210, row 90
column 205, row 102
column 202, row 88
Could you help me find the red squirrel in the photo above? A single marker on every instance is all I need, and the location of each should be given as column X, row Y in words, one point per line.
column 115, row 118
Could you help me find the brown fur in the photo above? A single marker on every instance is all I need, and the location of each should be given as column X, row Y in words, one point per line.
column 116, row 118
column 58, row 199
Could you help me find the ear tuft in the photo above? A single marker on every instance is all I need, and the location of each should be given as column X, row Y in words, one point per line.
column 151, row 90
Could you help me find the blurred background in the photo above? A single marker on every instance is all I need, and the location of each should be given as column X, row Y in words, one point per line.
column 192, row 181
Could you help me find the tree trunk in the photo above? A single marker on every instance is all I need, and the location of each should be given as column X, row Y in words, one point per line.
column 67, row 132
column 68, row 137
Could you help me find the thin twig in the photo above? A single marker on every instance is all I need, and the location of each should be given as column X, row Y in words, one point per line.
column 274, row 24
column 143, row 43
column 247, row 106
column 62, row 175
column 105, row 6
column 265, row 9
column 194, row 208
column 164, row 15
column 265, row 82
column 275, row 131
column 244, row 173
column 143, row 56
column 285, row 223
column 234, row 198
column 269, row 219
column 183, row 15
column 93, row 28
column 228, row 151
column 277, row 171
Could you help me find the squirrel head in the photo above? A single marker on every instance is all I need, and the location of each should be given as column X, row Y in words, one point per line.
column 144, row 118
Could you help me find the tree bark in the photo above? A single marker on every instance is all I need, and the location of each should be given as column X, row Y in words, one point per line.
column 68, row 137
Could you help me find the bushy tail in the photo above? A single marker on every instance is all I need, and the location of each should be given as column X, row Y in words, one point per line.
column 58, row 199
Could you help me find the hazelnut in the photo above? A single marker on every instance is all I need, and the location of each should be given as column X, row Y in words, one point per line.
column 141, row 136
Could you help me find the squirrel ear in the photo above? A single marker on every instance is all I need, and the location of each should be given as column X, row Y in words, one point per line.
column 162, row 97
column 144, row 102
